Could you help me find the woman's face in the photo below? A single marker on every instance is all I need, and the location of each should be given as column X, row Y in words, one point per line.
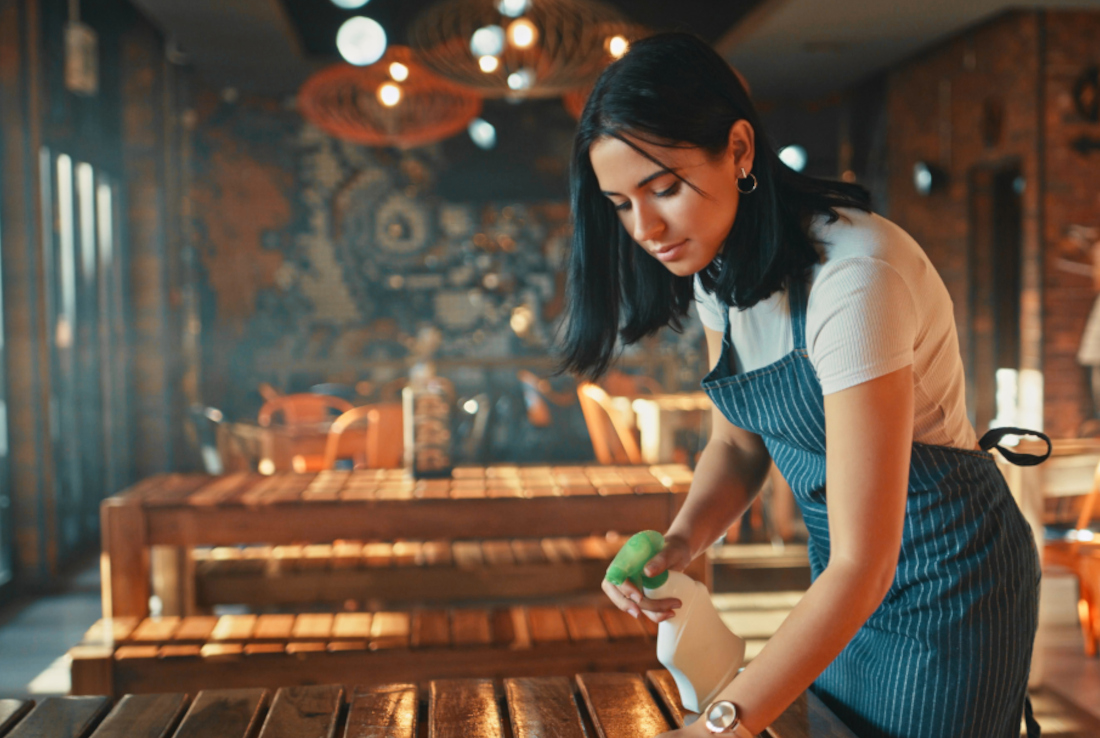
column 681, row 226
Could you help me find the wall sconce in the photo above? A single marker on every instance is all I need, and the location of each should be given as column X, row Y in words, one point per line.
column 928, row 178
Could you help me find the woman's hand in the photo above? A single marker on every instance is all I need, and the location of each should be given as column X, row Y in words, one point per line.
column 675, row 556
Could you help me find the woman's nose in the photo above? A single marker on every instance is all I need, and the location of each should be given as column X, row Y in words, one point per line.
column 647, row 225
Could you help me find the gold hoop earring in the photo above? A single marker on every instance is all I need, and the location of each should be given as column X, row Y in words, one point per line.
column 747, row 175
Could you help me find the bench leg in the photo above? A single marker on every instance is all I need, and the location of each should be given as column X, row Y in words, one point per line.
column 91, row 670
column 124, row 561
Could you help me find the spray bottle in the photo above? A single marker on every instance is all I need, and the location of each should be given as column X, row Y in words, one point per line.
column 698, row 649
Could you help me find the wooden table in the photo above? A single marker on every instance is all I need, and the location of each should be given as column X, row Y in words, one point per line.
column 177, row 511
column 610, row 705
column 658, row 417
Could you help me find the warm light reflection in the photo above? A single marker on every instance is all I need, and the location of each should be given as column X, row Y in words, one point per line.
column 399, row 72
column 389, row 94
column 617, row 46
column 488, row 64
column 521, row 80
column 522, row 33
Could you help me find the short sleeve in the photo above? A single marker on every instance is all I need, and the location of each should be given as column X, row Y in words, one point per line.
column 710, row 309
column 861, row 322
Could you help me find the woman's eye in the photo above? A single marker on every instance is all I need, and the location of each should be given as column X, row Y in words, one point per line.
column 672, row 190
column 623, row 206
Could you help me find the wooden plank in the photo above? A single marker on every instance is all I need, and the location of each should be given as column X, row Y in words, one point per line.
column 463, row 708
column 62, row 717
column 233, row 628
column 11, row 712
column 436, row 553
column 352, row 626
column 195, row 628
column 110, row 630
column 560, row 550
column 224, row 713
column 471, row 627
column 620, row 705
column 498, row 553
column 621, row 625
column 808, row 717
column 92, row 669
column 156, row 630
column 313, row 626
column 547, row 625
column 387, row 711
column 505, row 633
column 584, row 623
column 389, row 630
column 378, row 553
column 543, row 706
column 467, row 554
column 528, row 551
column 668, row 693
column 143, row 716
column 406, row 553
column 304, row 712
column 431, row 629
column 273, row 627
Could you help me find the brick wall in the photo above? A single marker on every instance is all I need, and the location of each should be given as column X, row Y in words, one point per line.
column 1021, row 64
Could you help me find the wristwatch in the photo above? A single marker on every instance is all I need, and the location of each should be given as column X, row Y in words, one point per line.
column 721, row 719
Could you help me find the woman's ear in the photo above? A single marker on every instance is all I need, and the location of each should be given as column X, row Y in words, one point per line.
column 742, row 145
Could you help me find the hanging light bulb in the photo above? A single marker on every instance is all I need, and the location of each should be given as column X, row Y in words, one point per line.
column 487, row 41
column 361, row 41
column 512, row 8
column 522, row 33
column 350, row 4
column 617, row 46
column 482, row 133
column 521, row 80
column 399, row 72
column 389, row 94
column 488, row 64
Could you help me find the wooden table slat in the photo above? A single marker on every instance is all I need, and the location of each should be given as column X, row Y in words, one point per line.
column 808, row 717
column 387, row 711
column 543, row 706
column 143, row 716
column 528, row 551
column 234, row 628
column 661, row 681
column 313, row 626
column 389, row 630
column 353, row 625
column 621, row 625
column 547, row 625
column 195, row 628
column 436, row 553
column 560, row 549
column 378, row 553
column 467, row 554
column 464, row 708
column 471, row 627
column 304, row 712
column 431, row 629
column 155, row 629
column 584, row 623
column 224, row 713
column 11, row 712
column 62, row 717
column 273, row 627
column 498, row 553
column 621, row 706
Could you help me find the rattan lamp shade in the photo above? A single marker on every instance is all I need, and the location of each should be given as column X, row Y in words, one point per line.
column 570, row 50
column 343, row 100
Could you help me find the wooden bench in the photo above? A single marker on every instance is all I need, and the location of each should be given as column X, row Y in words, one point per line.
column 610, row 705
column 154, row 524
column 157, row 654
column 402, row 571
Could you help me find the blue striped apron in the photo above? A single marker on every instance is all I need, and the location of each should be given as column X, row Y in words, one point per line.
column 947, row 653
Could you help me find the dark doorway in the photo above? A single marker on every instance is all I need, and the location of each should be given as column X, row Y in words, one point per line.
column 996, row 233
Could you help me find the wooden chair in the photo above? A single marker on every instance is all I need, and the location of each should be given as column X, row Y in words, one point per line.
column 612, row 441
column 1081, row 555
column 302, row 408
column 384, row 447
column 537, row 394
column 617, row 382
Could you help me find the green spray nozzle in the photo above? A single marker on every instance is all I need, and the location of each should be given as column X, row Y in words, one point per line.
column 633, row 557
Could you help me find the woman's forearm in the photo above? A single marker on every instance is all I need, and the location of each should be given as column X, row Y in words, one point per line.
column 834, row 607
column 725, row 481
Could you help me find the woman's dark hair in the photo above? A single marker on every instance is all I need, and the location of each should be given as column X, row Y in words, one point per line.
column 672, row 90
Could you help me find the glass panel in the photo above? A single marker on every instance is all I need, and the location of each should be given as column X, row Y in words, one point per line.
column 5, row 480
column 112, row 345
column 89, row 392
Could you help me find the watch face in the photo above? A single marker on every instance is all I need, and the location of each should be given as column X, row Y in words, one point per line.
column 721, row 716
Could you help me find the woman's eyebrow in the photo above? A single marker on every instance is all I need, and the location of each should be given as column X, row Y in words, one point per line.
column 644, row 182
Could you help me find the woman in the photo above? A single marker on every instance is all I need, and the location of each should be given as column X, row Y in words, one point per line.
column 834, row 353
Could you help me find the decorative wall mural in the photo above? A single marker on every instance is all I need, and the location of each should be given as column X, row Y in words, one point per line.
column 370, row 256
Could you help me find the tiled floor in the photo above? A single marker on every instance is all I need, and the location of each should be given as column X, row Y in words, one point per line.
column 35, row 635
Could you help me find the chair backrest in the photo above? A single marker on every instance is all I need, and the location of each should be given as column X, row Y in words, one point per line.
column 612, row 441
column 302, row 408
column 384, row 446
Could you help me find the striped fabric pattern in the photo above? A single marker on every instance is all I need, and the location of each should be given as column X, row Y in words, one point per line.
column 948, row 651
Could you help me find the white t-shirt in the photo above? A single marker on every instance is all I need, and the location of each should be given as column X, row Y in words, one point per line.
column 876, row 305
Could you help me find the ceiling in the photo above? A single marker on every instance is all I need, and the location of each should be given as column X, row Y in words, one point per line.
column 801, row 49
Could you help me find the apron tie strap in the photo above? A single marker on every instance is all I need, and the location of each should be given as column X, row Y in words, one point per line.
column 993, row 437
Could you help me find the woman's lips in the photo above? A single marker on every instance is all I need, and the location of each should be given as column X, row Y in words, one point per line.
column 672, row 252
